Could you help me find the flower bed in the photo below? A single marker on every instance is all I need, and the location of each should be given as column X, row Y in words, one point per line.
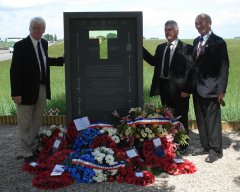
column 144, row 140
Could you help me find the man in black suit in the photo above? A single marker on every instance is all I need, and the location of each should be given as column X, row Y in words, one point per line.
column 211, row 64
column 172, row 73
column 30, row 85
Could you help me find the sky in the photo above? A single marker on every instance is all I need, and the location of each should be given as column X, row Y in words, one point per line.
column 15, row 15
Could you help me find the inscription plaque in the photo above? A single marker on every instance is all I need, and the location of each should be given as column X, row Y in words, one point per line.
column 104, row 66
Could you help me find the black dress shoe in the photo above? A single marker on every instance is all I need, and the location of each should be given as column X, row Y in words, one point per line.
column 203, row 151
column 183, row 148
column 29, row 159
column 213, row 156
column 183, row 151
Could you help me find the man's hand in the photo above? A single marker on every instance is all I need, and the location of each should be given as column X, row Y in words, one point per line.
column 183, row 94
column 17, row 99
column 220, row 99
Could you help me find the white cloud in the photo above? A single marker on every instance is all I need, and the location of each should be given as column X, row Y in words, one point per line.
column 15, row 14
column 15, row 4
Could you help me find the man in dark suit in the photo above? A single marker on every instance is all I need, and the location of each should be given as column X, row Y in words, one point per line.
column 171, row 79
column 30, row 85
column 211, row 64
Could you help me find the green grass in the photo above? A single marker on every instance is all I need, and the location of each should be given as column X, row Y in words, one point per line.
column 231, row 112
column 57, row 81
column 7, row 107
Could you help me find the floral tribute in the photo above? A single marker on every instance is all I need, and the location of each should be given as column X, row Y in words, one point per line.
column 143, row 140
column 150, row 122
column 142, row 126
column 92, row 160
column 54, row 150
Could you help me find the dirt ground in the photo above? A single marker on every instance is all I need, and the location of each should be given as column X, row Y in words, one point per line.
column 223, row 175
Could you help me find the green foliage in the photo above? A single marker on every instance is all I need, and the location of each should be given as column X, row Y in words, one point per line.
column 101, row 37
column 111, row 35
column 55, row 37
column 156, row 171
column 231, row 112
column 6, row 45
column 182, row 138
column 6, row 107
column 49, row 37
column 103, row 49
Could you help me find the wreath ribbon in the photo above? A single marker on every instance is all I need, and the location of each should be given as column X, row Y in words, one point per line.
column 162, row 121
column 97, row 166
column 100, row 125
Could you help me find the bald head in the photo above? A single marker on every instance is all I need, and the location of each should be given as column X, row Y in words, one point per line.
column 203, row 23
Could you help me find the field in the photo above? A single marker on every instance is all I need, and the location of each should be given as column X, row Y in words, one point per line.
column 231, row 112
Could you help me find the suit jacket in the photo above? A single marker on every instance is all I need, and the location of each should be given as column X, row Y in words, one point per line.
column 179, row 71
column 25, row 72
column 211, row 67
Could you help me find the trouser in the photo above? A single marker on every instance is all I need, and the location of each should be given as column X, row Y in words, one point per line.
column 29, row 119
column 180, row 108
column 179, row 104
column 208, row 116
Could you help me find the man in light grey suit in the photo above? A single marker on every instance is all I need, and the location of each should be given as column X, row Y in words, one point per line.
column 211, row 65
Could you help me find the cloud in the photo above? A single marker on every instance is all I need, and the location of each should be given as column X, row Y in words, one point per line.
column 16, row 14
column 16, row 4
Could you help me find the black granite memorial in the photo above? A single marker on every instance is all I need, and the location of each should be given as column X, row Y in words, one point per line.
column 104, row 66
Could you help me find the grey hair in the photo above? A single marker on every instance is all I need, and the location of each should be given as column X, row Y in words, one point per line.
column 205, row 17
column 172, row 23
column 37, row 20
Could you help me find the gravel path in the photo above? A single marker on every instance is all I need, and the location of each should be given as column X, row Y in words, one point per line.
column 221, row 176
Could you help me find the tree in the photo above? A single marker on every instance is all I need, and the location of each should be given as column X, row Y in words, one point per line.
column 48, row 37
column 111, row 35
column 101, row 37
column 55, row 37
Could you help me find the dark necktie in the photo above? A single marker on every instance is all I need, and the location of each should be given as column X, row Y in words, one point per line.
column 43, row 71
column 166, row 61
column 200, row 46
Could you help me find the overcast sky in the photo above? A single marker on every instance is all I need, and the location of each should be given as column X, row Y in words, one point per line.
column 16, row 14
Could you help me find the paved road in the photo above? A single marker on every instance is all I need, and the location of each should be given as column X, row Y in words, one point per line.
column 5, row 55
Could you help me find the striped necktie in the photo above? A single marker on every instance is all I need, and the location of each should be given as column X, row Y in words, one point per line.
column 200, row 46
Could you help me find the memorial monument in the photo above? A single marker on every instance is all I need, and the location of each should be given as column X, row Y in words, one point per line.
column 104, row 66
